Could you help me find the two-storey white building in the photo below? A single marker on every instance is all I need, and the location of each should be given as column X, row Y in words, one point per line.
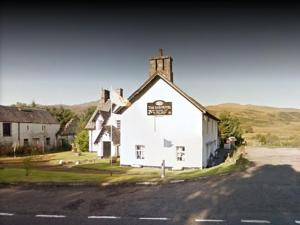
column 164, row 123
column 27, row 127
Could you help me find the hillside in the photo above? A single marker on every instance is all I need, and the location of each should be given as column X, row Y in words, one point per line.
column 78, row 108
column 281, row 125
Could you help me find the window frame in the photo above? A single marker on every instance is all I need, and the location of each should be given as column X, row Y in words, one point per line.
column 48, row 141
column 140, row 152
column 180, row 153
column 118, row 122
column 4, row 129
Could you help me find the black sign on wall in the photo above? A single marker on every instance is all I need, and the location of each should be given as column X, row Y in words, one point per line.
column 159, row 108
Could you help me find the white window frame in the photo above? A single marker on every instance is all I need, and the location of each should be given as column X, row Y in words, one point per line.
column 180, row 153
column 118, row 123
column 139, row 152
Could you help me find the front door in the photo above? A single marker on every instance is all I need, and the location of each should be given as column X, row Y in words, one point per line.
column 106, row 149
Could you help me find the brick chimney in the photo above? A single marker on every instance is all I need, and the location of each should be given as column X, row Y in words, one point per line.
column 104, row 95
column 162, row 64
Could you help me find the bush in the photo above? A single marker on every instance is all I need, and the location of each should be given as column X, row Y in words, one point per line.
column 82, row 141
column 8, row 150
column 268, row 139
column 230, row 127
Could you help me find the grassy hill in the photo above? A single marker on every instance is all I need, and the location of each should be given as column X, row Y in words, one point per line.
column 279, row 126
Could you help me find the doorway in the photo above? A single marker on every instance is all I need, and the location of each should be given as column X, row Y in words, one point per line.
column 106, row 149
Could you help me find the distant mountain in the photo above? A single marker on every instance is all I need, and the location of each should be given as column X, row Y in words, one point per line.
column 78, row 108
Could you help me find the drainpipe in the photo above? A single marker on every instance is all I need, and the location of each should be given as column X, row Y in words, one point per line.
column 19, row 142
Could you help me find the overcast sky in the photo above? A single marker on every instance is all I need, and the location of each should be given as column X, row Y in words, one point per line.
column 64, row 53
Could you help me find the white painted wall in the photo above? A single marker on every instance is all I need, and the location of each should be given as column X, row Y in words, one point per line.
column 93, row 134
column 183, row 128
column 30, row 131
column 210, row 137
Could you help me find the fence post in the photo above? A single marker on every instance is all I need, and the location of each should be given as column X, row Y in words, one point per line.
column 162, row 169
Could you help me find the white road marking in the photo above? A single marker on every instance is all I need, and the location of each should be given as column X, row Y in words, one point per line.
column 153, row 218
column 297, row 221
column 103, row 217
column 255, row 221
column 50, row 216
column 6, row 214
column 209, row 220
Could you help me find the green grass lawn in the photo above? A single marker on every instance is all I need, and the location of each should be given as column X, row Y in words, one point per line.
column 53, row 158
column 127, row 174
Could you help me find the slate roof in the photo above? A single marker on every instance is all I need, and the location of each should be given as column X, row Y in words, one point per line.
column 104, row 110
column 150, row 82
column 108, row 129
column 26, row 115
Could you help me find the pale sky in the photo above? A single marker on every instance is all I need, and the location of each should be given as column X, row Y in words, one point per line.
column 64, row 54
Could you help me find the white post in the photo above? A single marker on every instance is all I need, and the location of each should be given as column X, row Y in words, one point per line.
column 163, row 169
column 111, row 133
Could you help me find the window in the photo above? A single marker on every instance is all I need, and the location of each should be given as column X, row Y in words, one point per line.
column 35, row 141
column 119, row 124
column 180, row 153
column 6, row 129
column 27, row 127
column 25, row 142
column 139, row 149
column 47, row 141
column 43, row 127
column 100, row 123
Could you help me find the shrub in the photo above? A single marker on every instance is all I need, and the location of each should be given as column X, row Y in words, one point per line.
column 230, row 127
column 82, row 141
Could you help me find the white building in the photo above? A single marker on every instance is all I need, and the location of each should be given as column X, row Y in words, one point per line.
column 101, row 125
column 27, row 127
column 164, row 123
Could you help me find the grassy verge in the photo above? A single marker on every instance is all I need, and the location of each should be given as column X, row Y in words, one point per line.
column 52, row 158
column 14, row 175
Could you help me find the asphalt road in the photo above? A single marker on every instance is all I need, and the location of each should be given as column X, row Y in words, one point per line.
column 268, row 193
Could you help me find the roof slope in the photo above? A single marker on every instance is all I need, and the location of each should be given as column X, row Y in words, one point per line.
column 26, row 115
column 104, row 110
column 151, row 81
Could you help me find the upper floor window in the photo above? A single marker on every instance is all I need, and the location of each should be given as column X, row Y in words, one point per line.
column 119, row 124
column 6, row 129
column 27, row 127
column 100, row 123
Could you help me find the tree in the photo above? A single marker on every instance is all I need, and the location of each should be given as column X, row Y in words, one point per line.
column 84, row 118
column 230, row 127
column 82, row 141
column 62, row 114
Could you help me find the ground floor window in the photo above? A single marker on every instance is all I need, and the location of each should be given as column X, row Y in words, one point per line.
column 180, row 153
column 35, row 141
column 139, row 149
column 6, row 129
column 47, row 141
column 26, row 142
